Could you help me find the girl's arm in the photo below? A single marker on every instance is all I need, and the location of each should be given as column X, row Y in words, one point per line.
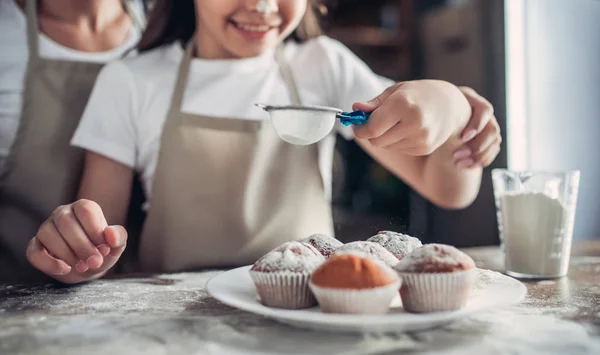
column 428, row 117
column 82, row 241
column 418, row 144
column 435, row 176
column 108, row 183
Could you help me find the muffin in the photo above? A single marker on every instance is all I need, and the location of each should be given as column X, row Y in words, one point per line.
column 372, row 249
column 325, row 244
column 281, row 276
column 396, row 243
column 435, row 278
column 354, row 283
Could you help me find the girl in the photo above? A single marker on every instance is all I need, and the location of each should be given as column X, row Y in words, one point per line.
column 58, row 47
column 223, row 188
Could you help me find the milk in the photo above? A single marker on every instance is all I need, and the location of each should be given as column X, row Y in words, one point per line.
column 536, row 232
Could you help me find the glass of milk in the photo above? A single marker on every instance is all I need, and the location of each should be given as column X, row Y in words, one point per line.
column 536, row 214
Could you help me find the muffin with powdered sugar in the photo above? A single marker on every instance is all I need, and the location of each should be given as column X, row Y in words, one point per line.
column 374, row 250
column 435, row 278
column 325, row 244
column 396, row 243
column 281, row 276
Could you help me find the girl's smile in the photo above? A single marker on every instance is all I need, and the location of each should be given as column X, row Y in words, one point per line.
column 236, row 29
column 256, row 29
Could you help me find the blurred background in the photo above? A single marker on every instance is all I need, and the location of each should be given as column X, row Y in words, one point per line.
column 537, row 61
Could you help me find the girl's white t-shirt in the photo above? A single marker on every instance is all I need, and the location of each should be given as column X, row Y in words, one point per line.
column 128, row 106
column 15, row 54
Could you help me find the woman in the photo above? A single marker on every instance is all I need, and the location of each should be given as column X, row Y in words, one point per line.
column 223, row 188
column 52, row 53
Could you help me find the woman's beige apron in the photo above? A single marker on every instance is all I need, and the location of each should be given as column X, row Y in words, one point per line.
column 228, row 190
column 42, row 169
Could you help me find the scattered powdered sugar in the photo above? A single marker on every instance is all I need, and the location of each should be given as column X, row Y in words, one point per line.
column 510, row 332
column 161, row 294
column 435, row 257
column 486, row 278
column 291, row 256
column 396, row 243
column 373, row 249
column 173, row 314
column 325, row 244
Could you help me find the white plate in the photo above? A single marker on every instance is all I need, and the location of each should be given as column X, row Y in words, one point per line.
column 492, row 290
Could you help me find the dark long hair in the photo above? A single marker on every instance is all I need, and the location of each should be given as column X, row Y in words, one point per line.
column 175, row 20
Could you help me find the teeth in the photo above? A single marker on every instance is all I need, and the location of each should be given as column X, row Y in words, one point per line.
column 253, row 28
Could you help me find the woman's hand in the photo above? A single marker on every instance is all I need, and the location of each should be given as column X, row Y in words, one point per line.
column 481, row 135
column 75, row 243
column 414, row 118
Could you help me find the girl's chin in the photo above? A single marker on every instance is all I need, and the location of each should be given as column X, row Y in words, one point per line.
column 247, row 50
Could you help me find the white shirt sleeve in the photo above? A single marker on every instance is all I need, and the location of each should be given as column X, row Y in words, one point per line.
column 107, row 125
column 351, row 79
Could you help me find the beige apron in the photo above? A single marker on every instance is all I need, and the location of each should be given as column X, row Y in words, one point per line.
column 228, row 190
column 43, row 169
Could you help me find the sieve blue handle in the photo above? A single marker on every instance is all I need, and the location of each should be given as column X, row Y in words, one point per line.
column 353, row 118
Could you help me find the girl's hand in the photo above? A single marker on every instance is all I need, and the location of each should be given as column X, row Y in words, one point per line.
column 415, row 117
column 75, row 243
column 481, row 135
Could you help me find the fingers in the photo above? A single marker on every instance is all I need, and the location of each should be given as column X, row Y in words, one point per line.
column 396, row 134
column 56, row 246
column 397, row 109
column 486, row 157
column 39, row 257
column 90, row 216
column 484, row 140
column 75, row 236
column 374, row 103
column 381, row 120
column 482, row 114
column 466, row 158
column 485, row 146
column 116, row 237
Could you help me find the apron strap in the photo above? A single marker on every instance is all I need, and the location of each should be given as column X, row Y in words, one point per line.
column 138, row 18
column 181, row 80
column 32, row 28
column 288, row 75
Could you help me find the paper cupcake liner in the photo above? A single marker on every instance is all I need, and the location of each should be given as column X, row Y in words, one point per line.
column 436, row 292
column 366, row 301
column 283, row 289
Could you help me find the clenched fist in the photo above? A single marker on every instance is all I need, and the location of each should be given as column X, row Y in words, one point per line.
column 76, row 244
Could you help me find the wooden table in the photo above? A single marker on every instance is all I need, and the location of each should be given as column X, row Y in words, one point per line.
column 171, row 314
